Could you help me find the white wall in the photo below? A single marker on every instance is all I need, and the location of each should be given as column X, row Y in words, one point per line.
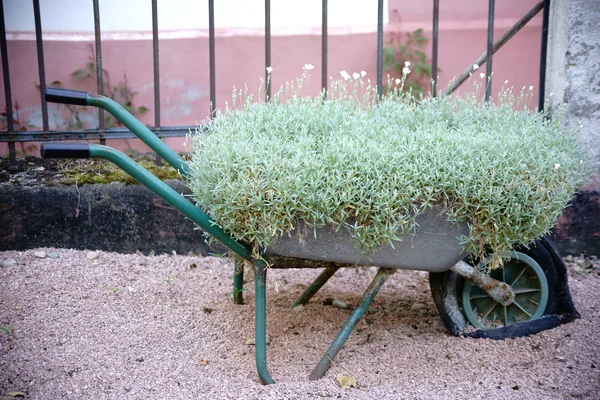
column 77, row 16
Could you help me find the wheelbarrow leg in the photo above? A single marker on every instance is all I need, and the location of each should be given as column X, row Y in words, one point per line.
column 260, row 321
column 382, row 275
column 238, row 280
column 315, row 286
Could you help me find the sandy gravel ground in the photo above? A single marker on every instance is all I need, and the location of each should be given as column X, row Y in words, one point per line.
column 87, row 325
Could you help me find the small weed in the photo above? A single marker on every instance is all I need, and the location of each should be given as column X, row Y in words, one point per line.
column 73, row 117
column 18, row 125
column 113, row 289
column 169, row 279
column 408, row 54
column 236, row 292
column 9, row 330
column 121, row 92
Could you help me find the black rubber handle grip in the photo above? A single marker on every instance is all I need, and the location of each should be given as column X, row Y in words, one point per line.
column 65, row 150
column 66, row 96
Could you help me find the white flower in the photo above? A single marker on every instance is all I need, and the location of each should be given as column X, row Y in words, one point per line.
column 506, row 82
column 356, row 75
column 556, row 166
column 407, row 63
column 269, row 70
column 481, row 75
column 308, row 67
column 530, row 87
column 344, row 74
column 363, row 73
column 475, row 67
column 405, row 71
column 398, row 81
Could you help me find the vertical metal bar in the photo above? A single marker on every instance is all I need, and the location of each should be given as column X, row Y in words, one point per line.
column 434, row 47
column 211, row 56
column 324, row 39
column 379, row 47
column 260, row 321
column 10, row 125
column 543, row 56
column 41, row 67
column 267, row 47
column 490, row 51
column 99, row 70
column 156, row 62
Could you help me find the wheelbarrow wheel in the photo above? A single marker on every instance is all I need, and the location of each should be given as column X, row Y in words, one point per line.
column 542, row 300
column 529, row 282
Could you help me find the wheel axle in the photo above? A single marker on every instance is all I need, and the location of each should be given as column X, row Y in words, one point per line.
column 500, row 291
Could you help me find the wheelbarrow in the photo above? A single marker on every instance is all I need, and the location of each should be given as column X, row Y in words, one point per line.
column 527, row 295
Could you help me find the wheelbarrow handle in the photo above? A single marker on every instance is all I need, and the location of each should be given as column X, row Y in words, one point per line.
column 65, row 150
column 77, row 97
column 66, row 96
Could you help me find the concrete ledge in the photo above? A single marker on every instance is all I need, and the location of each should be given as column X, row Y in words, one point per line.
column 577, row 230
column 111, row 217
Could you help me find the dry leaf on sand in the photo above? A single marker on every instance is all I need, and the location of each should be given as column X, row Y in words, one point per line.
column 345, row 381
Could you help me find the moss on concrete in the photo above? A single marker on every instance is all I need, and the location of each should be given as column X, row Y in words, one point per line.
column 100, row 171
column 38, row 171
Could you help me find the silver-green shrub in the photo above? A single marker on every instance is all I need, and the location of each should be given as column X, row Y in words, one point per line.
column 260, row 167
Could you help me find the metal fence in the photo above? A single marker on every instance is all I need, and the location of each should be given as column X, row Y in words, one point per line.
column 102, row 133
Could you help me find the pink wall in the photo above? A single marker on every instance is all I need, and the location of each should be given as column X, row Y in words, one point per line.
column 240, row 59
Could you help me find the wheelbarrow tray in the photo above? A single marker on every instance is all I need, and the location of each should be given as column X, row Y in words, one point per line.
column 433, row 245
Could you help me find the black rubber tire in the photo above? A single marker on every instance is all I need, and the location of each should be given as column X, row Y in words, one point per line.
column 446, row 289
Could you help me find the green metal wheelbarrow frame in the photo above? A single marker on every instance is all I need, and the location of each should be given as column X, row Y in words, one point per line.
column 280, row 258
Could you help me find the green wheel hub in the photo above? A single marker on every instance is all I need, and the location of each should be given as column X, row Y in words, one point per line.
column 529, row 282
